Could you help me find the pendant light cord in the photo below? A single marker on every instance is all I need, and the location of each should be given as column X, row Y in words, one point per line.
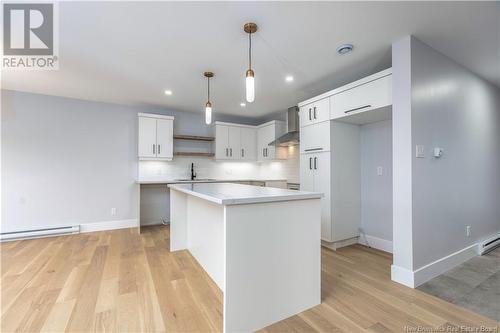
column 250, row 50
column 208, row 86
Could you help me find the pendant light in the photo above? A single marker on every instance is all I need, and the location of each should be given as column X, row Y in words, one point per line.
column 250, row 28
column 208, row 105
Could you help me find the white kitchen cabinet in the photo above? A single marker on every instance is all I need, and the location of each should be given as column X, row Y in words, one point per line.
column 330, row 151
column 248, row 143
column 164, row 138
column 221, row 142
column 315, row 112
column 234, row 141
column 315, row 177
column 155, row 137
column 315, row 138
column 364, row 97
column 267, row 133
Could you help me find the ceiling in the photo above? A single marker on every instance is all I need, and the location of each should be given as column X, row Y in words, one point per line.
column 130, row 52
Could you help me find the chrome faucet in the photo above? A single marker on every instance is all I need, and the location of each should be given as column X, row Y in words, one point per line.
column 193, row 174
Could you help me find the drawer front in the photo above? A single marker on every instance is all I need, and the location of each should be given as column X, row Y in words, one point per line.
column 315, row 138
column 363, row 98
column 315, row 112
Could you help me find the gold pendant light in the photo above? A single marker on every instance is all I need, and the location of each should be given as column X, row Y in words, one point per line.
column 250, row 28
column 208, row 105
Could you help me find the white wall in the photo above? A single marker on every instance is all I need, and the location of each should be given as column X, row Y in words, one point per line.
column 454, row 109
column 376, row 190
column 438, row 103
column 67, row 161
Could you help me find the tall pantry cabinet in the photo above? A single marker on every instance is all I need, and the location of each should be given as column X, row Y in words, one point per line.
column 330, row 160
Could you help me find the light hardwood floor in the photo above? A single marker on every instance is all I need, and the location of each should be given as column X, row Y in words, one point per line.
column 120, row 281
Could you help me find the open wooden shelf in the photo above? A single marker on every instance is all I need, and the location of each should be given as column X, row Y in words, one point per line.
column 197, row 154
column 194, row 138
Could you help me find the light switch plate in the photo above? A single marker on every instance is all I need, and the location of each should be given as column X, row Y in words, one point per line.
column 420, row 151
column 380, row 171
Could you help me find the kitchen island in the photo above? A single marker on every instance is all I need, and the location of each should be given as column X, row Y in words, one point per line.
column 260, row 245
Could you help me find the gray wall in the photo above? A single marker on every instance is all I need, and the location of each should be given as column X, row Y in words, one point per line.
column 376, row 190
column 68, row 161
column 454, row 109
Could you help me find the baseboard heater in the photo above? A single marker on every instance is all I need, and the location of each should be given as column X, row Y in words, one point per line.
column 489, row 244
column 48, row 232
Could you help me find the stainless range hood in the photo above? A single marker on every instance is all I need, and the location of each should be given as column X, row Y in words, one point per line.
column 292, row 136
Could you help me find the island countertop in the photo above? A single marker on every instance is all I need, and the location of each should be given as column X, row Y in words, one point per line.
column 237, row 194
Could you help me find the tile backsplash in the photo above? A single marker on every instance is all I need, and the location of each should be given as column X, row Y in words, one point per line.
column 180, row 168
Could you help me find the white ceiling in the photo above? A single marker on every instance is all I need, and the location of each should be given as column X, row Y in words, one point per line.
column 130, row 52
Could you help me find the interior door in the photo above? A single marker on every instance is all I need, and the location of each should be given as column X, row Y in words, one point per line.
column 321, row 169
column 221, row 142
column 147, row 137
column 164, row 138
column 248, row 143
column 234, row 142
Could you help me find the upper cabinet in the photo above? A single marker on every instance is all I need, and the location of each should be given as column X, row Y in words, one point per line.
column 315, row 112
column 267, row 133
column 234, row 141
column 155, row 141
column 248, row 143
column 361, row 96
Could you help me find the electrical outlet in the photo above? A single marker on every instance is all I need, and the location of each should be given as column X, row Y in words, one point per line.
column 113, row 211
column 467, row 231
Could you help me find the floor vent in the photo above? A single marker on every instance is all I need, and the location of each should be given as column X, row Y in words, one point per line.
column 489, row 244
column 49, row 232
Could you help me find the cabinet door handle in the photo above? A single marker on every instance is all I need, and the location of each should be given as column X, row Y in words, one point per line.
column 310, row 163
column 227, row 152
column 159, row 147
column 242, row 152
column 314, row 112
column 231, row 152
column 154, row 149
column 313, row 149
column 359, row 108
column 310, row 114
column 315, row 163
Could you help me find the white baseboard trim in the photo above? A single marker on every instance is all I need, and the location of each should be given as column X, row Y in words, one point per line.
column 108, row 225
column 429, row 271
column 376, row 243
column 423, row 274
column 338, row 244
column 403, row 276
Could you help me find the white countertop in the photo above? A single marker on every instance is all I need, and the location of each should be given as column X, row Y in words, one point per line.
column 235, row 194
column 146, row 181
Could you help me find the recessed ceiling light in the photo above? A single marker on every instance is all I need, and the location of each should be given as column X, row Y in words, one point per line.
column 345, row 48
column 243, row 105
column 289, row 78
column 168, row 92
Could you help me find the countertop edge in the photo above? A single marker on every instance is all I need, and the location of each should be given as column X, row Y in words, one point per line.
column 173, row 181
column 249, row 200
